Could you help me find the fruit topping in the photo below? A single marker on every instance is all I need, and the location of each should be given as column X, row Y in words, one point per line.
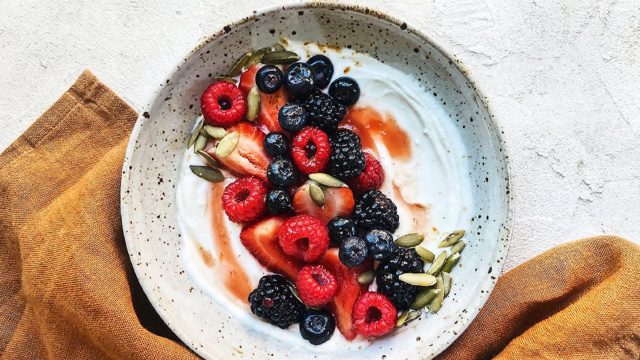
column 248, row 157
column 371, row 178
column 299, row 80
column 317, row 326
column 269, row 79
column 322, row 70
column 248, row 79
column 223, row 104
column 292, row 117
column 353, row 251
column 261, row 240
column 374, row 210
column 374, row 314
column 340, row 228
column 304, row 237
column 279, row 201
column 316, row 285
column 274, row 301
column 345, row 90
column 381, row 244
column 282, row 173
column 337, row 202
column 310, row 150
column 270, row 105
column 324, row 111
column 347, row 158
column 387, row 277
column 244, row 199
column 276, row 144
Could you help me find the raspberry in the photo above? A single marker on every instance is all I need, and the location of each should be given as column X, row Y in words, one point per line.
column 244, row 199
column 374, row 314
column 223, row 104
column 371, row 178
column 304, row 237
column 316, row 285
column 310, row 150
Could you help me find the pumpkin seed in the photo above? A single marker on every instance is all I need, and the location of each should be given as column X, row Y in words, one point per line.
column 215, row 132
column 316, row 193
column 458, row 247
column 253, row 104
column 227, row 144
column 207, row 173
column 278, row 47
column 402, row 318
column 425, row 254
column 226, row 79
column 436, row 303
column 418, row 279
column 236, row 69
column 294, row 292
column 326, row 180
column 451, row 239
column 423, row 298
column 451, row 262
column 366, row 277
column 200, row 143
column 437, row 263
column 196, row 132
column 210, row 160
column 448, row 280
column 413, row 315
column 410, row 240
column 280, row 57
column 257, row 56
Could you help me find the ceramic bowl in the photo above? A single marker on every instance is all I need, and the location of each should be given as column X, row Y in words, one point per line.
column 158, row 142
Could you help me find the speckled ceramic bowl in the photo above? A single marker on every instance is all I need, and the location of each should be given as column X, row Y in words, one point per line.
column 158, row 142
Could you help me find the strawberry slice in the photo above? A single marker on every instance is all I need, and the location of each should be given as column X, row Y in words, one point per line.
column 249, row 156
column 338, row 202
column 261, row 239
column 248, row 78
column 348, row 291
column 270, row 104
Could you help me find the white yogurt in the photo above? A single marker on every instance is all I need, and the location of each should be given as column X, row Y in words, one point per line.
column 435, row 176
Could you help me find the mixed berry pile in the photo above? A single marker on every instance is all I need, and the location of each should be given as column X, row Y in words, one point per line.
column 307, row 195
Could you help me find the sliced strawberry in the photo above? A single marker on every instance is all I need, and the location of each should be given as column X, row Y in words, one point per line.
column 270, row 105
column 249, row 156
column 338, row 202
column 248, row 79
column 348, row 291
column 261, row 239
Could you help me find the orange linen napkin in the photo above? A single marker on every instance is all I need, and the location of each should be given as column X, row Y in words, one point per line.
column 67, row 289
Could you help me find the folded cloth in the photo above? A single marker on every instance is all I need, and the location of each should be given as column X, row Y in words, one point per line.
column 67, row 289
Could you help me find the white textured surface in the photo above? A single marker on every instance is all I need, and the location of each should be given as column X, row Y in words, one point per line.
column 562, row 79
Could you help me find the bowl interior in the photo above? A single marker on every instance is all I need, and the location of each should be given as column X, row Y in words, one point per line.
column 158, row 142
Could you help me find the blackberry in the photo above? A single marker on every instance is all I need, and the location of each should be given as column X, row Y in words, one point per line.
column 400, row 293
column 273, row 301
column 347, row 158
column 374, row 210
column 324, row 112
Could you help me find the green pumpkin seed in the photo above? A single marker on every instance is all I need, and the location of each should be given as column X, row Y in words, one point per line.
column 326, row 180
column 316, row 193
column 437, row 263
column 227, row 144
column 423, row 298
column 366, row 277
column 458, row 247
column 257, row 56
column 278, row 47
column 236, row 69
column 226, row 79
column 413, row 315
column 280, row 57
column 447, row 280
column 425, row 254
column 253, row 104
column 418, row 279
column 196, row 132
column 451, row 262
column 402, row 318
column 210, row 160
column 295, row 293
column 215, row 132
column 207, row 173
column 451, row 239
column 410, row 240
column 436, row 303
column 200, row 143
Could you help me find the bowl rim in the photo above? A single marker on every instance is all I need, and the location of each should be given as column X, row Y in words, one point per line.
column 505, row 235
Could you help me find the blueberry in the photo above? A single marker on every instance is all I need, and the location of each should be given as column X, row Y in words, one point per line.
column 269, row 79
column 282, row 172
column 292, row 117
column 276, row 144
column 299, row 80
column 317, row 325
column 322, row 70
column 341, row 228
column 381, row 245
column 345, row 90
column 278, row 201
column 353, row 251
